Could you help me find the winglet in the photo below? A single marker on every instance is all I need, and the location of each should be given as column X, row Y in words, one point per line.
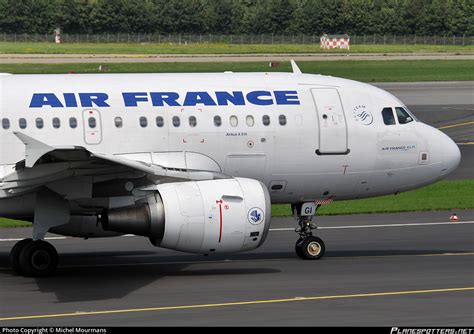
column 296, row 69
column 34, row 149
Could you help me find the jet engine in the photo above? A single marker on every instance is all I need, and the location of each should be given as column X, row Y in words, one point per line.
column 227, row 215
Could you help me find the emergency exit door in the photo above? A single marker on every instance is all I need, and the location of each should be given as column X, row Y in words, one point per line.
column 331, row 120
column 92, row 127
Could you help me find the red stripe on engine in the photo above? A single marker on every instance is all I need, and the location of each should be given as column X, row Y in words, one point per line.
column 220, row 227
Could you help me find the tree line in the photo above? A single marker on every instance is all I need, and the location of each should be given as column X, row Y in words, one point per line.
column 399, row 17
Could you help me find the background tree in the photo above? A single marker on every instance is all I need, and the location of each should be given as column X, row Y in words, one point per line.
column 421, row 17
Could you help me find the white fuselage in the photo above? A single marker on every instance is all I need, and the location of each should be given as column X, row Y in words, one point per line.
column 325, row 138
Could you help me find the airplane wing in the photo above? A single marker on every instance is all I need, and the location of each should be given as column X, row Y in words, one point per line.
column 46, row 164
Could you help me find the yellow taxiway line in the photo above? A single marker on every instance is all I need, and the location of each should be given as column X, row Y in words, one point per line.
column 455, row 125
column 242, row 303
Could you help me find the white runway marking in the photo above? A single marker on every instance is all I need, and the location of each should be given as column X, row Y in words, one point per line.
column 18, row 239
column 373, row 226
column 293, row 228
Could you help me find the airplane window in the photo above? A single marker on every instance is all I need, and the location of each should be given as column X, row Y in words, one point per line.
column 143, row 122
column 22, row 123
column 5, row 123
column 92, row 122
column 192, row 121
column 159, row 122
column 56, row 123
column 217, row 121
column 282, row 119
column 118, row 122
column 39, row 123
column 387, row 115
column 266, row 120
column 176, row 121
column 234, row 121
column 73, row 122
column 403, row 116
column 250, row 121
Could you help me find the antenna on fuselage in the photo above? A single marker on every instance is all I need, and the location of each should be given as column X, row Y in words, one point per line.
column 296, row 69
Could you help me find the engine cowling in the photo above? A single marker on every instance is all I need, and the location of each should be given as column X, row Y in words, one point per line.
column 228, row 215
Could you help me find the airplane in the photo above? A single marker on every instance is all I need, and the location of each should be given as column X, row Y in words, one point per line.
column 193, row 162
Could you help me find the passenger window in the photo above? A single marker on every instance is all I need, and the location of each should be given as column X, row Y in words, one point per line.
column 92, row 122
column 118, row 122
column 192, row 121
column 73, row 122
column 387, row 115
column 159, row 122
column 403, row 116
column 39, row 123
column 56, row 123
column 266, row 120
column 5, row 123
column 22, row 123
column 217, row 121
column 176, row 121
column 250, row 120
column 282, row 119
column 234, row 121
column 143, row 122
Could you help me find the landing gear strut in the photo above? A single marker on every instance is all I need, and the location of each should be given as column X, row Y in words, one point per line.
column 308, row 247
column 34, row 258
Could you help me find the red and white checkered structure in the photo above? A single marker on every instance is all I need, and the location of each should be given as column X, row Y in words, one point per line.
column 335, row 41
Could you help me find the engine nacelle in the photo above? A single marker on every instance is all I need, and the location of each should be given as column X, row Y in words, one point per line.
column 228, row 215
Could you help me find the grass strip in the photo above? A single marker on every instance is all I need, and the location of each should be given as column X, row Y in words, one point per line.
column 216, row 48
column 361, row 70
column 443, row 195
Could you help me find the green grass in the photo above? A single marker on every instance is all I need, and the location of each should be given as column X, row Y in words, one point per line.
column 5, row 222
column 217, row 48
column 443, row 195
column 367, row 71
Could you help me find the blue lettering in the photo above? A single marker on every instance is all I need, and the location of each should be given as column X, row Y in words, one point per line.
column 236, row 98
column 132, row 99
column 88, row 99
column 286, row 97
column 195, row 98
column 170, row 98
column 256, row 98
column 48, row 99
column 70, row 100
column 160, row 99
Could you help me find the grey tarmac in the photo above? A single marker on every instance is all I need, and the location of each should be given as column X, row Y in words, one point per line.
column 406, row 269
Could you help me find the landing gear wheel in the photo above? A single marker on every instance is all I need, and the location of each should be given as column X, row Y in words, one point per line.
column 15, row 255
column 310, row 248
column 298, row 248
column 38, row 259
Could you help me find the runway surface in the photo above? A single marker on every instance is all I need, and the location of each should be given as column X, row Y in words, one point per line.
column 410, row 269
column 190, row 58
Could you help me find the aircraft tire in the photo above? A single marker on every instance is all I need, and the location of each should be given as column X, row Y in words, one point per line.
column 38, row 259
column 310, row 248
column 298, row 248
column 15, row 255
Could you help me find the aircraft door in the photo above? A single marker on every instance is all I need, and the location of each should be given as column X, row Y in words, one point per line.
column 92, row 127
column 331, row 120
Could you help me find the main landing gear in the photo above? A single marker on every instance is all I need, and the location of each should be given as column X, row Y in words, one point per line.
column 36, row 258
column 308, row 247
